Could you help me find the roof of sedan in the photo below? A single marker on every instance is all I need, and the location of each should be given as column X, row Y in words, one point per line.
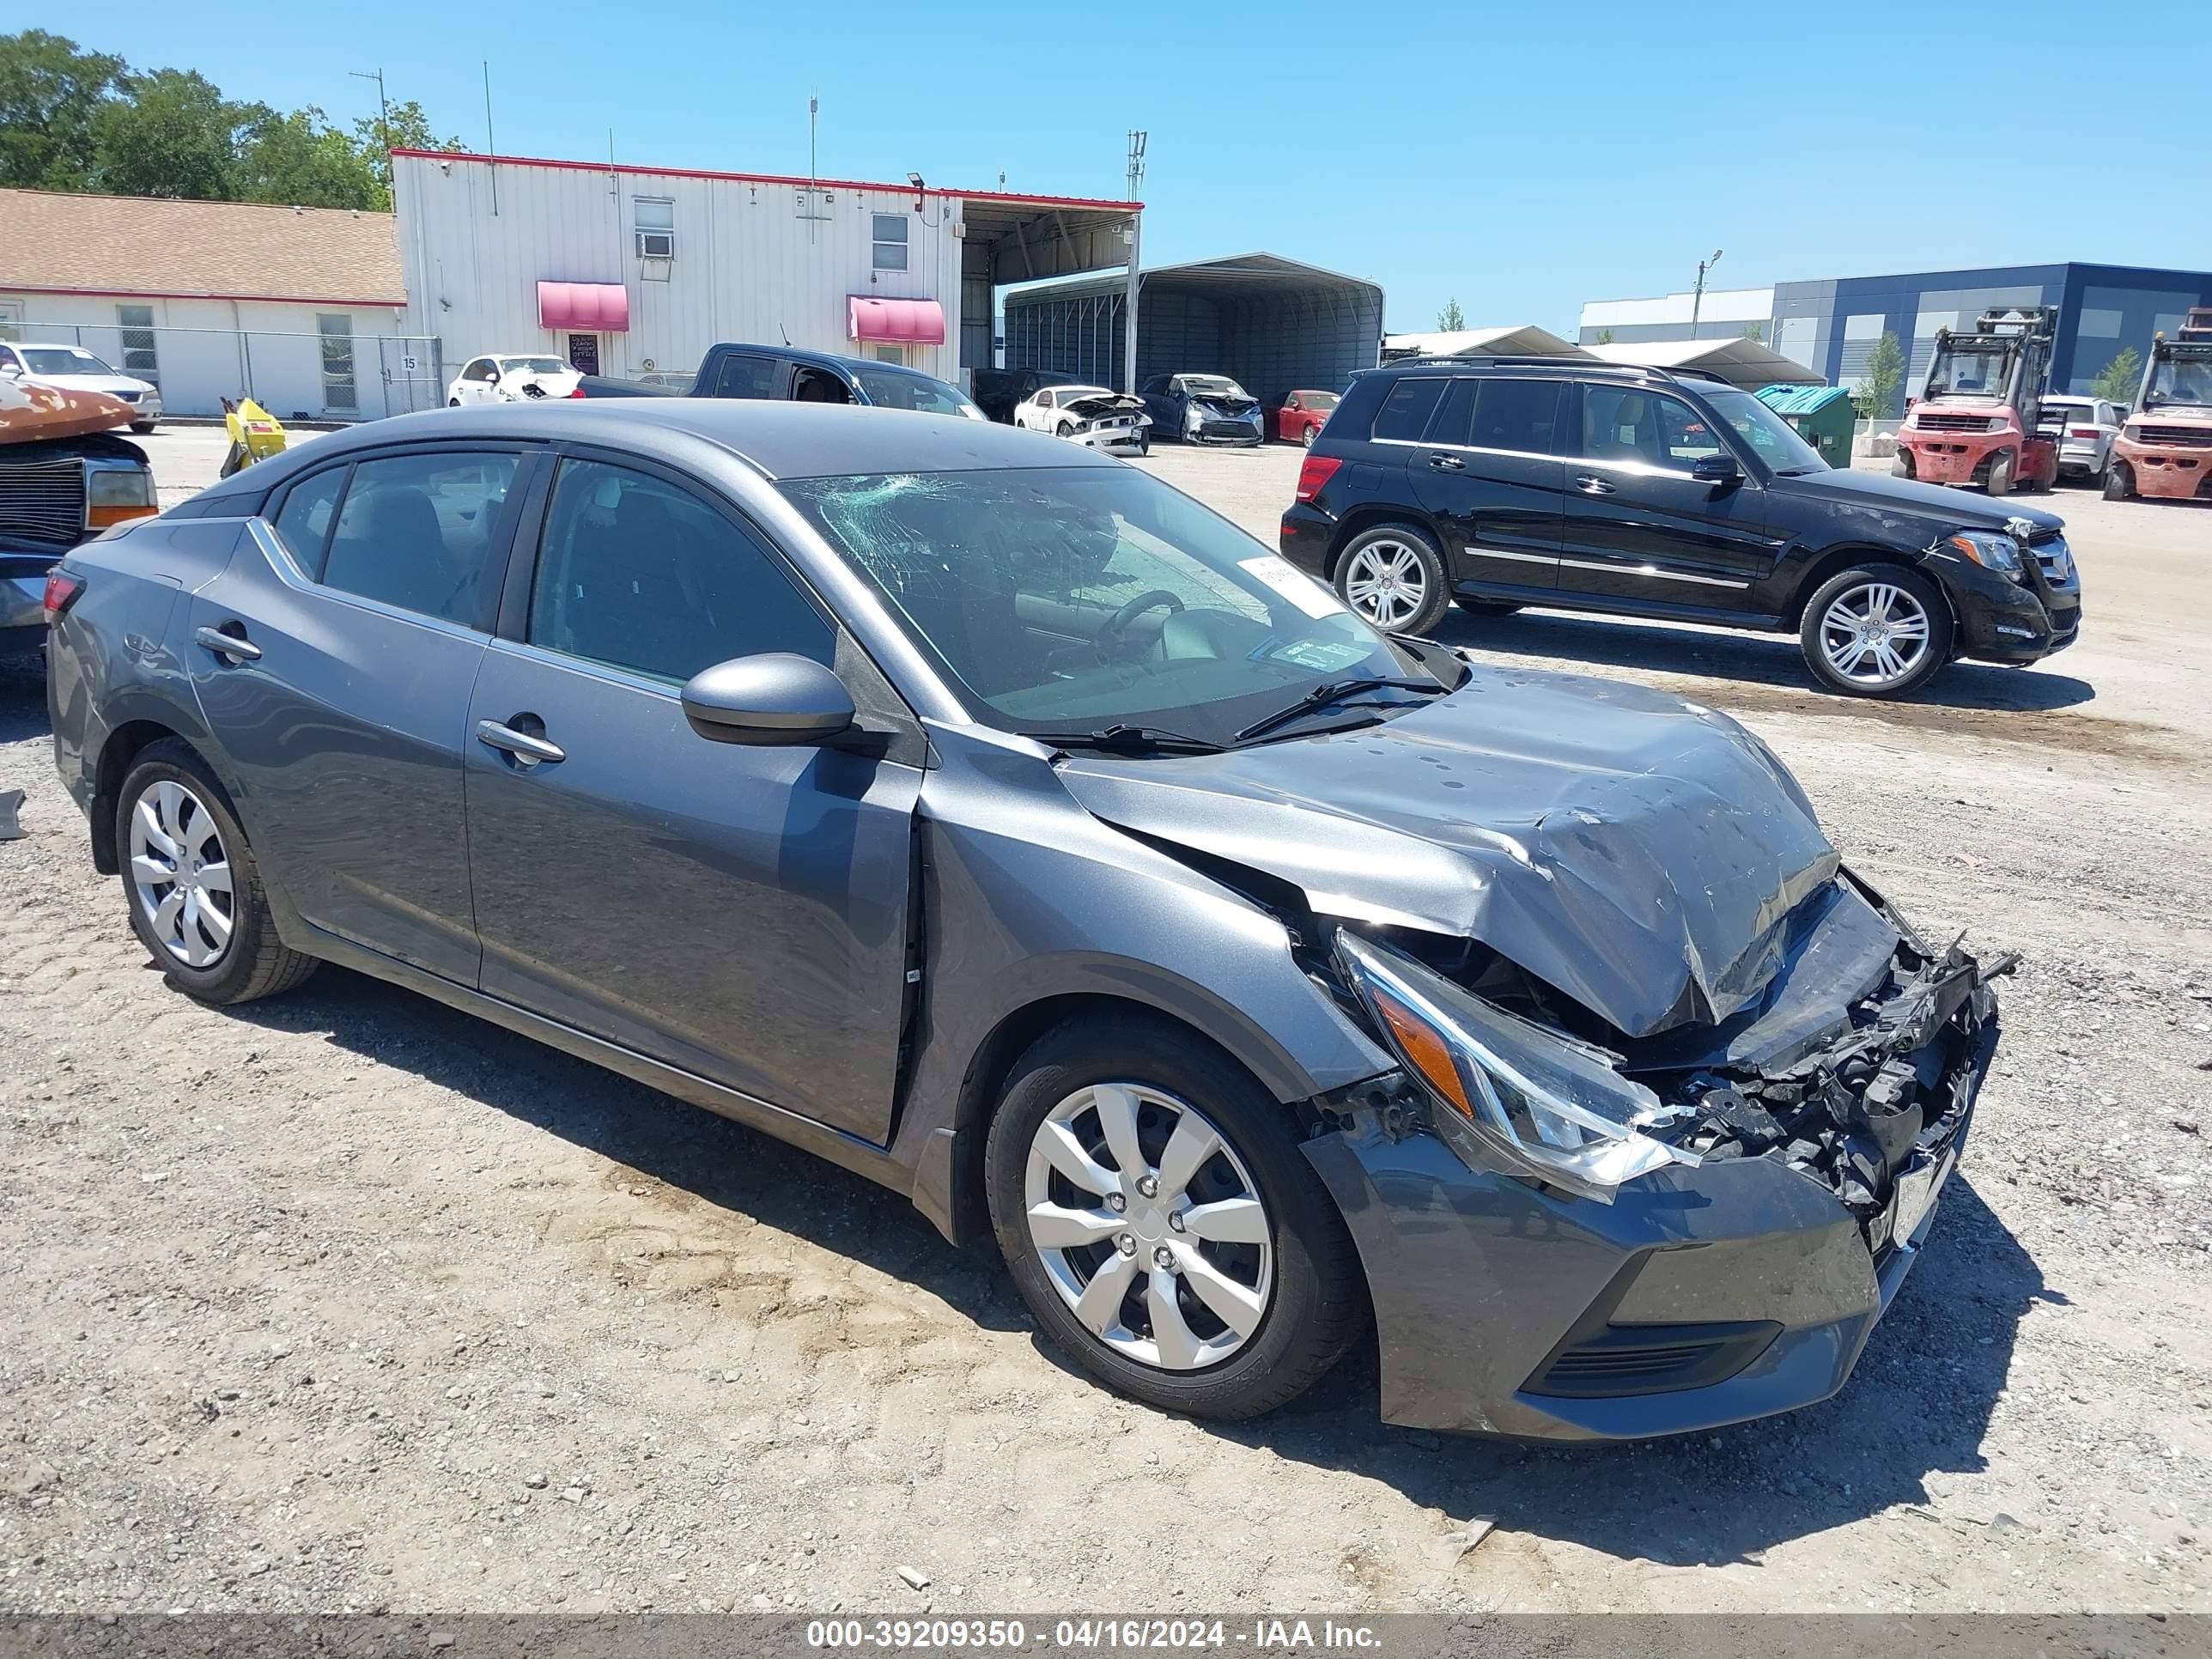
column 782, row 440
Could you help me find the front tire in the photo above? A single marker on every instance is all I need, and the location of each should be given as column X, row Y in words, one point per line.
column 1311, row 433
column 1900, row 463
column 2119, row 481
column 2000, row 475
column 142, row 426
column 192, row 883
column 1876, row 630
column 1392, row 576
column 1151, row 1201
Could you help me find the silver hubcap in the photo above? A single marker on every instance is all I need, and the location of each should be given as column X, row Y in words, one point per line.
column 1149, row 1225
column 1874, row 634
column 1385, row 584
column 180, row 874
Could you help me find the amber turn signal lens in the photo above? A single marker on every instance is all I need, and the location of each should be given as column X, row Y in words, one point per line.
column 1424, row 1049
column 99, row 517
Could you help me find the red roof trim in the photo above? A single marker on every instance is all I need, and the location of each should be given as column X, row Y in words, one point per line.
column 166, row 293
column 770, row 179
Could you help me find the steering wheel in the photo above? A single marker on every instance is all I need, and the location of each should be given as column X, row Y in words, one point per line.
column 1109, row 642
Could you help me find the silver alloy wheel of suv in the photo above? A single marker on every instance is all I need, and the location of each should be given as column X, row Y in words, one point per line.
column 1386, row 584
column 180, row 874
column 1149, row 1225
column 1875, row 634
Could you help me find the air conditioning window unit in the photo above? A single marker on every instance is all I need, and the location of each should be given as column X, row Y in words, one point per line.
column 656, row 245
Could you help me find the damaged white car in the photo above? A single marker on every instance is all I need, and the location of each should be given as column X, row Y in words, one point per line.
column 512, row 380
column 1096, row 417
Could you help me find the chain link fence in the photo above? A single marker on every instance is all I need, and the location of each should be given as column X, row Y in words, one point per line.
column 332, row 375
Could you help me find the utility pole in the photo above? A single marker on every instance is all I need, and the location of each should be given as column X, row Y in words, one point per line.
column 1698, row 304
column 491, row 144
column 1137, row 162
column 383, row 120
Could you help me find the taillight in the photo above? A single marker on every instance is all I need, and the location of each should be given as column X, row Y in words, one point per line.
column 578, row 393
column 1314, row 472
column 62, row 591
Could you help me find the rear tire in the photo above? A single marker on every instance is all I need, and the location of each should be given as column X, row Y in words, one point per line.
column 190, row 810
column 1315, row 1301
column 2119, row 481
column 1393, row 577
column 1889, row 594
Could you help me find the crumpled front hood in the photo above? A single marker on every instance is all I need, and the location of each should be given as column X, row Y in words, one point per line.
column 1637, row 852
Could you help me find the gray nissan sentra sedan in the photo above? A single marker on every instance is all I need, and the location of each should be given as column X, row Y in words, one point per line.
column 989, row 818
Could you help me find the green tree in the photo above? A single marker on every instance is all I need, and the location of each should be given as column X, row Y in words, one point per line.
column 50, row 92
column 301, row 160
column 1604, row 337
column 1755, row 331
column 172, row 133
column 402, row 127
column 1450, row 319
column 2120, row 379
column 1875, row 396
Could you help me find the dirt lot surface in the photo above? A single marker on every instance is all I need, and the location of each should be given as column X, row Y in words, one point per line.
column 343, row 1300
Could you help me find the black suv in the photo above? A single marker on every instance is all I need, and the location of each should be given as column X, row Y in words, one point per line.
column 1496, row 483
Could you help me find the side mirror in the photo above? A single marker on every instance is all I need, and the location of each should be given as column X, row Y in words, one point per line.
column 774, row 700
column 1716, row 470
column 13, row 371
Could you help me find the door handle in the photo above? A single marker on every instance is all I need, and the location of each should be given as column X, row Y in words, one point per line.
column 1592, row 486
column 236, row 647
column 1447, row 462
column 526, row 749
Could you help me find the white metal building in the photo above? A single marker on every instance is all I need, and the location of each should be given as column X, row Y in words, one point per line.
column 627, row 270
column 1722, row 313
column 297, row 307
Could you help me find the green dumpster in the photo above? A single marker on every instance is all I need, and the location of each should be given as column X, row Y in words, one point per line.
column 1823, row 415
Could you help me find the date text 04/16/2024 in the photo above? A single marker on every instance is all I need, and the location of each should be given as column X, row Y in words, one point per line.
column 1162, row 1635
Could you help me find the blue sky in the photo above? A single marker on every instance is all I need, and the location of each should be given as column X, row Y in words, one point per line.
column 1523, row 161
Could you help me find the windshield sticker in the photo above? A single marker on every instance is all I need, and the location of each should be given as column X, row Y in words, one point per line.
column 1301, row 590
column 1323, row 656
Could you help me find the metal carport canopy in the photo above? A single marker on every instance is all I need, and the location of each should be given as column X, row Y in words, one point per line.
column 1272, row 324
column 1746, row 363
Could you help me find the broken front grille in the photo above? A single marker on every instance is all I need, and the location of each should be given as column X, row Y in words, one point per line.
column 43, row 500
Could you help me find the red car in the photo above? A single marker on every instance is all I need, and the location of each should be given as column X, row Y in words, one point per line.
column 1301, row 415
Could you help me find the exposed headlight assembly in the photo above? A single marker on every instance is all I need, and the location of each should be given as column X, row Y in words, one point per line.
column 1992, row 548
column 1510, row 1096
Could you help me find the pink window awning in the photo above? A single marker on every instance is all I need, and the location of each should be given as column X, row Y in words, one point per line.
column 895, row 322
column 599, row 307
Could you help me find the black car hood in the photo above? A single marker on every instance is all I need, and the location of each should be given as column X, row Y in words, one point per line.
column 1883, row 493
column 1637, row 852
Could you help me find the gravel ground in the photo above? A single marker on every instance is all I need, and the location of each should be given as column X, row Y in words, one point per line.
column 344, row 1300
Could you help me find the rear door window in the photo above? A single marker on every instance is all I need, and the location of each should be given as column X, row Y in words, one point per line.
column 745, row 376
column 1404, row 413
column 417, row 532
column 1522, row 416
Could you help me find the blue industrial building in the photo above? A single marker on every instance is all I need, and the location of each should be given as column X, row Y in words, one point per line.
column 1832, row 326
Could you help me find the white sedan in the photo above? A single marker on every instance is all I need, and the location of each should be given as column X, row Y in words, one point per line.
column 1095, row 415
column 72, row 369
column 511, row 380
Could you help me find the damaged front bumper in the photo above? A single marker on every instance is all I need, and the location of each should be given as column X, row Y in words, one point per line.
column 1700, row 1296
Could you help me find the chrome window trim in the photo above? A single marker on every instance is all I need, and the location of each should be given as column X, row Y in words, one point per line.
column 1642, row 469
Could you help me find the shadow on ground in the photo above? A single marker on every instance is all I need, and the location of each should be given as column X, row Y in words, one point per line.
column 1919, row 1403
column 1753, row 659
column 23, row 699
